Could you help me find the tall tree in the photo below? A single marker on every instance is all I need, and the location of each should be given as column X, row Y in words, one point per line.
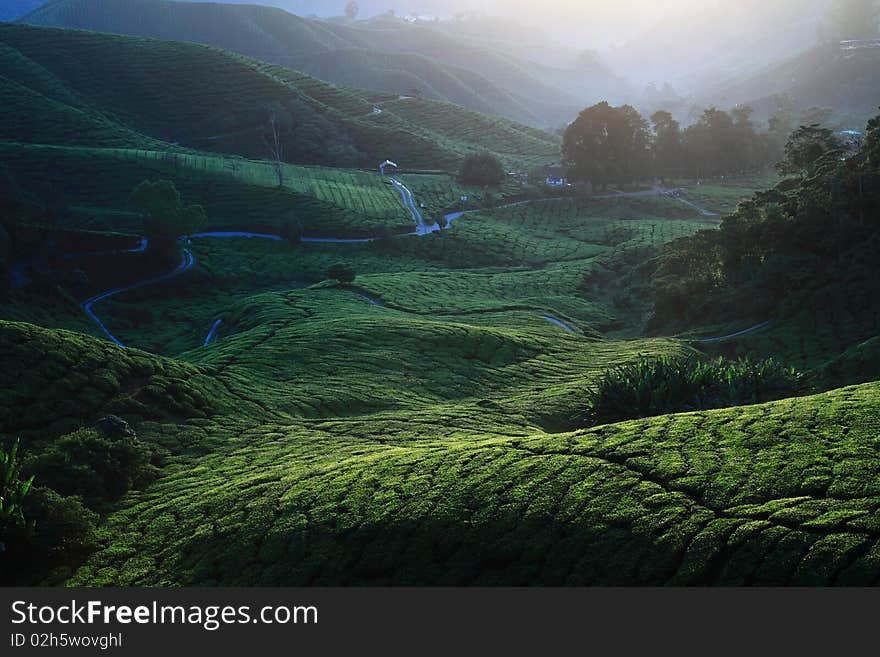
column 279, row 123
column 606, row 145
column 667, row 149
column 352, row 9
column 165, row 217
column 807, row 146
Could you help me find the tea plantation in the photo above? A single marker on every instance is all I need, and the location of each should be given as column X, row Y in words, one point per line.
column 314, row 392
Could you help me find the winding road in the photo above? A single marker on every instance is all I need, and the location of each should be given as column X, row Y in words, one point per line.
column 738, row 334
column 409, row 202
column 186, row 263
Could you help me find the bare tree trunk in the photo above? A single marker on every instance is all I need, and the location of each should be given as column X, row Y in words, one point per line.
column 275, row 148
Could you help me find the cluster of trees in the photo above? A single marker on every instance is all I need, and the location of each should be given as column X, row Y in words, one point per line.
column 165, row 217
column 817, row 230
column 617, row 145
column 482, row 169
column 51, row 499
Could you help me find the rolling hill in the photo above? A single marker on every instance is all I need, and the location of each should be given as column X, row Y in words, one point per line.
column 387, row 55
column 214, row 100
column 124, row 109
column 407, row 409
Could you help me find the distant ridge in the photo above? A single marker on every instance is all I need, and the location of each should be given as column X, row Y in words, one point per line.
column 397, row 58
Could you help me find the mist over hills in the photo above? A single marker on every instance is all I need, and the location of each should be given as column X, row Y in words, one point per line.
column 386, row 55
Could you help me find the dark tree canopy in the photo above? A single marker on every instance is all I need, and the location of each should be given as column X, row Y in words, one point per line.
column 482, row 169
column 797, row 248
column 806, row 148
column 606, row 145
column 342, row 273
column 163, row 213
column 667, row 145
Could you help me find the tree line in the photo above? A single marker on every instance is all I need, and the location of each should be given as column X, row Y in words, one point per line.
column 807, row 246
column 609, row 145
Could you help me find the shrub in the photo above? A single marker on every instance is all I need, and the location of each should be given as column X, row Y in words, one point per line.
column 482, row 169
column 97, row 467
column 13, row 489
column 60, row 535
column 657, row 386
column 341, row 273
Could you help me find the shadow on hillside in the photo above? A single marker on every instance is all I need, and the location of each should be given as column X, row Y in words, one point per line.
column 506, row 551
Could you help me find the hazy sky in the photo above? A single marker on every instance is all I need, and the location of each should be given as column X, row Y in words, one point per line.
column 588, row 23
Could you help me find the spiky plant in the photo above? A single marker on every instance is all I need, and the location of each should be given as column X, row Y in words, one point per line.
column 13, row 489
column 656, row 386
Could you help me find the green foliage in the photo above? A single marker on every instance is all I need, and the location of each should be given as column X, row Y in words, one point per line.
column 62, row 534
column 667, row 146
column 163, row 213
column 483, row 170
column 341, row 273
column 658, row 386
column 97, row 468
column 807, row 147
column 804, row 247
column 13, row 489
column 724, row 144
column 607, row 145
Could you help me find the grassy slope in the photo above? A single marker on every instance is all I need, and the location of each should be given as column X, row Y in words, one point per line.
column 324, row 440
column 393, row 57
column 96, row 140
column 291, row 487
column 329, row 124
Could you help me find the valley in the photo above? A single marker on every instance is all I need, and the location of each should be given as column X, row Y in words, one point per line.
column 317, row 373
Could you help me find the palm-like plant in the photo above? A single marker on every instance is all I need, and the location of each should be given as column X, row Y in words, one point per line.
column 654, row 386
column 13, row 489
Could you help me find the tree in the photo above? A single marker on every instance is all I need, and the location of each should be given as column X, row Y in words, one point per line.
column 272, row 140
column 352, row 9
column 291, row 229
column 341, row 273
column 95, row 467
column 483, row 169
column 667, row 149
column 607, row 145
column 164, row 215
column 807, row 146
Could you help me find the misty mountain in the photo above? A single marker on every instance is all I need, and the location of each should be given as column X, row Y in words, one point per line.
column 384, row 53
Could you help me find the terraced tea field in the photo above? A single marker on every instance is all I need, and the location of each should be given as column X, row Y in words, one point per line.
column 417, row 426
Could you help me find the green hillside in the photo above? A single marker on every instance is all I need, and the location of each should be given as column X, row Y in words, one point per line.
column 92, row 141
column 394, row 57
column 324, row 376
column 379, row 470
column 73, row 103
